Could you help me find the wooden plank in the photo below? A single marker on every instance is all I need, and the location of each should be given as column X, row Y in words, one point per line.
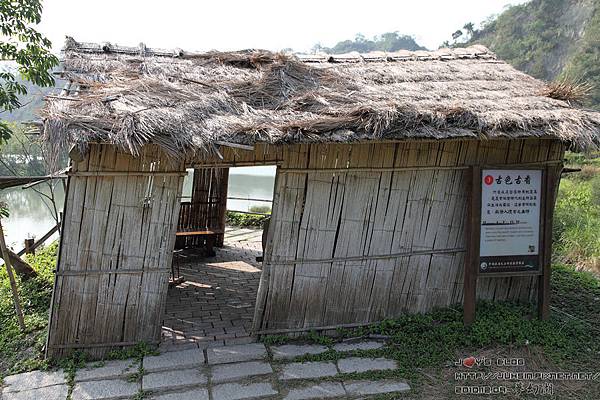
column 472, row 243
column 552, row 177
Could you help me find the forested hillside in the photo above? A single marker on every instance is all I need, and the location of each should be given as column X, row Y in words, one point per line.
column 549, row 39
column 390, row 41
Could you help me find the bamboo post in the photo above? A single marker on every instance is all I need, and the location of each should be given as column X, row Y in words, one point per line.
column 222, row 206
column 472, row 232
column 29, row 246
column 11, row 278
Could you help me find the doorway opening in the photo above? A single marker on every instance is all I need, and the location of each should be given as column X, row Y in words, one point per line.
column 213, row 302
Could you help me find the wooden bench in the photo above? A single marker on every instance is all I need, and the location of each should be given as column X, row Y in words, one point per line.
column 210, row 234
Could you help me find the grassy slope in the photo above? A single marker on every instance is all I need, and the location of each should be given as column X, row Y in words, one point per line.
column 20, row 352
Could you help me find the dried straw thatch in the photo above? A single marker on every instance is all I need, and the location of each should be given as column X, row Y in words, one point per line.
column 187, row 102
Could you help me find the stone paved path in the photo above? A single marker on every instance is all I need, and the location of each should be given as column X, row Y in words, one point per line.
column 215, row 304
column 188, row 372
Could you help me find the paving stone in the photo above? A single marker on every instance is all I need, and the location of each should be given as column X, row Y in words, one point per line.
column 232, row 372
column 110, row 369
column 320, row 391
column 239, row 353
column 236, row 391
column 54, row 392
column 360, row 364
column 33, row 380
column 174, row 360
column 295, row 350
column 370, row 345
column 165, row 347
column 173, row 379
column 104, row 390
column 308, row 370
column 375, row 387
column 196, row 394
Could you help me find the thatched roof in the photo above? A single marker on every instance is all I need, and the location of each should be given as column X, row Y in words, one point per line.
column 188, row 102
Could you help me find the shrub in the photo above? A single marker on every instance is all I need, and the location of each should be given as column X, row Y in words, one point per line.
column 246, row 220
column 260, row 209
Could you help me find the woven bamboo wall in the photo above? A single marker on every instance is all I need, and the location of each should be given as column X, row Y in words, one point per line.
column 379, row 234
column 116, row 250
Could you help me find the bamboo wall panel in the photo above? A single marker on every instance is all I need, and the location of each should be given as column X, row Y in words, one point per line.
column 115, row 251
column 383, row 237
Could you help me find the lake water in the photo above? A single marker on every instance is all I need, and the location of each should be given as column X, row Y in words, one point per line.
column 30, row 214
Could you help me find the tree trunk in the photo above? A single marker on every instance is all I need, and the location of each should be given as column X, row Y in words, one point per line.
column 22, row 269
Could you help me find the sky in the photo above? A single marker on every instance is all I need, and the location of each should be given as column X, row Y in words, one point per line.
column 266, row 24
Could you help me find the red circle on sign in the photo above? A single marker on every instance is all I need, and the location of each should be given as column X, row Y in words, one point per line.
column 488, row 180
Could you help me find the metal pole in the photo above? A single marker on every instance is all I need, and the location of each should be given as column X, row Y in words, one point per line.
column 11, row 277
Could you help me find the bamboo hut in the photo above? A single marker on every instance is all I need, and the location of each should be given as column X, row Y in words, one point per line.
column 373, row 153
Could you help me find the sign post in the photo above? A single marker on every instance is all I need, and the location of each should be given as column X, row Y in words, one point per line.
column 509, row 230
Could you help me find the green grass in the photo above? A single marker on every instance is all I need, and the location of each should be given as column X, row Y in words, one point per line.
column 246, row 220
column 576, row 237
column 23, row 351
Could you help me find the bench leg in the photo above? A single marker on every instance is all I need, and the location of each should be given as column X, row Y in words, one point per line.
column 210, row 244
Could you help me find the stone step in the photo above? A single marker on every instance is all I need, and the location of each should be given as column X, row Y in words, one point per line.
column 237, row 391
column 111, row 389
column 191, row 358
column 288, row 351
column 307, row 370
column 353, row 346
column 237, row 353
column 319, row 391
column 181, row 378
column 232, row 372
column 47, row 392
column 106, row 370
column 364, row 364
column 33, row 380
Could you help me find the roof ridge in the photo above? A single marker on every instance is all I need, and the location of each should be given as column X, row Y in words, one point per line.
column 471, row 52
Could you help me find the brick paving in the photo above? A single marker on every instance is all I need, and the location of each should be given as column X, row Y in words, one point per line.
column 215, row 304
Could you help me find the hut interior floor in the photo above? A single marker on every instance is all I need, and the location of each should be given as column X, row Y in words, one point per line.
column 215, row 304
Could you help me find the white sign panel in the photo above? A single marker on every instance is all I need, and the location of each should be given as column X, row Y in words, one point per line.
column 510, row 220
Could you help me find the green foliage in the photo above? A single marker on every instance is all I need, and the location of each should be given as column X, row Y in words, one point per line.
column 70, row 365
column 273, row 340
column 260, row 209
column 136, row 352
column 20, row 154
column 584, row 65
column 23, row 351
column 314, row 337
column 21, row 43
column 576, row 224
column 390, row 41
column 548, row 39
column 246, row 220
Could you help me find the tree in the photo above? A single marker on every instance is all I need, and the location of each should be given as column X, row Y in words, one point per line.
column 469, row 27
column 29, row 49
